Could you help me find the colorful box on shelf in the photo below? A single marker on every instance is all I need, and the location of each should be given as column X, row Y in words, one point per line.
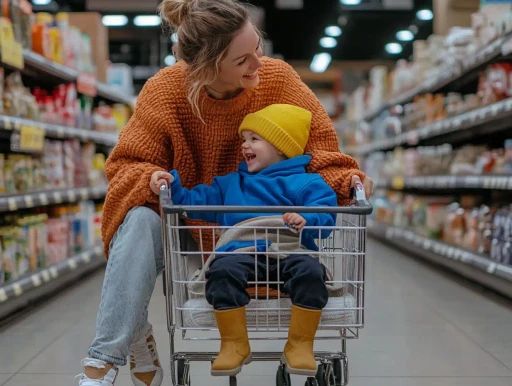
column 11, row 51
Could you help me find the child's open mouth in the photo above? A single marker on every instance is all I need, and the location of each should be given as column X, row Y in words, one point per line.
column 250, row 157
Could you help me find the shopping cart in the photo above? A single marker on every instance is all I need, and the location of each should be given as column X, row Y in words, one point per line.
column 342, row 252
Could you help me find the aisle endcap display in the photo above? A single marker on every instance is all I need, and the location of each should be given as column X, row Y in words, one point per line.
column 451, row 73
column 19, row 293
column 44, row 198
column 465, row 121
column 471, row 265
column 58, row 131
column 485, row 182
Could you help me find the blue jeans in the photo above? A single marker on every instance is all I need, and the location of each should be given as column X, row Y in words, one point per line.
column 303, row 277
column 135, row 261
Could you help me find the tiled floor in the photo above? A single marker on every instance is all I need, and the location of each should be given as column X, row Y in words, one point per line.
column 422, row 329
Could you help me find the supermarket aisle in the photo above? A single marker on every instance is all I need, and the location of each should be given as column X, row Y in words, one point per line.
column 422, row 329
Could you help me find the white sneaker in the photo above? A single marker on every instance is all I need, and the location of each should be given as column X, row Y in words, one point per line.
column 145, row 365
column 107, row 380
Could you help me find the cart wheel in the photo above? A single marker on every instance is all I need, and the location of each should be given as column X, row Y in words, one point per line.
column 282, row 377
column 311, row 382
column 337, row 372
column 232, row 381
column 183, row 373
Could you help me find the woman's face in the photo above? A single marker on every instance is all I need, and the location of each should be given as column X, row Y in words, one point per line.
column 239, row 69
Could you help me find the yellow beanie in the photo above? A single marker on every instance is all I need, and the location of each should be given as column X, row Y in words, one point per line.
column 284, row 126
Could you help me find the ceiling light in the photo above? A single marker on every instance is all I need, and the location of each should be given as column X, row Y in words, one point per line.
column 333, row 31
column 350, row 2
column 413, row 29
column 320, row 62
column 147, row 21
column 328, row 42
column 174, row 38
column 393, row 48
column 169, row 60
column 425, row 14
column 41, row 2
column 114, row 20
column 405, row 35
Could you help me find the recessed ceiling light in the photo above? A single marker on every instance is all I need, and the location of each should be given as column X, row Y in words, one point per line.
column 405, row 35
column 393, row 48
column 320, row 62
column 328, row 42
column 425, row 14
column 41, row 2
column 174, row 38
column 114, row 20
column 169, row 60
column 350, row 2
column 147, row 21
column 333, row 31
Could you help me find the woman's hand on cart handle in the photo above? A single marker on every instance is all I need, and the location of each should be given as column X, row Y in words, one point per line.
column 159, row 179
column 366, row 186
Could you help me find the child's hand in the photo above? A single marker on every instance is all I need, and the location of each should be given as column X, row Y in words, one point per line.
column 158, row 179
column 295, row 221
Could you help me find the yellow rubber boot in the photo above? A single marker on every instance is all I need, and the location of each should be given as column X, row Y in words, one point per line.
column 298, row 353
column 234, row 343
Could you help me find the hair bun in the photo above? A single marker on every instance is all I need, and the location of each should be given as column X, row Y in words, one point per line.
column 175, row 11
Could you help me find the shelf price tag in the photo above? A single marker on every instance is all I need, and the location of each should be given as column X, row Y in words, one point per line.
column 11, row 50
column 31, row 138
column 86, row 84
column 398, row 183
column 43, row 198
column 3, row 295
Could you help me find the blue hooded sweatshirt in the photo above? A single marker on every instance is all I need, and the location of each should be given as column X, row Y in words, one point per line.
column 285, row 183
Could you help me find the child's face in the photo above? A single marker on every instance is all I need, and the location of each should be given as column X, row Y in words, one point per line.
column 258, row 153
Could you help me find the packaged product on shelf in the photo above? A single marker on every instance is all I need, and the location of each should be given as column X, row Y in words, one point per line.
column 103, row 119
column 501, row 247
column 62, row 19
column 8, row 250
column 53, row 161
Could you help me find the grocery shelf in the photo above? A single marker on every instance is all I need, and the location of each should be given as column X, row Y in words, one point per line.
column 41, row 65
column 476, row 267
column 44, row 66
column 107, row 92
column 450, row 74
column 58, row 131
column 484, row 120
column 492, row 182
column 28, row 289
column 9, row 203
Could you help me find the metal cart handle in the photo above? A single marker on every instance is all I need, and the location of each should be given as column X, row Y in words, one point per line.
column 362, row 207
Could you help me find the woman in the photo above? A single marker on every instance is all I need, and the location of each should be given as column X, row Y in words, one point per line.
column 187, row 118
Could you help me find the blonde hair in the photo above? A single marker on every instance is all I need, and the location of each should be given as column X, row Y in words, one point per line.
column 205, row 30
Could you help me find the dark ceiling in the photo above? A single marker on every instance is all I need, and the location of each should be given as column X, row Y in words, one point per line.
column 294, row 33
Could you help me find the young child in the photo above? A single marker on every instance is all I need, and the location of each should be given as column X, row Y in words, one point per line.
column 273, row 174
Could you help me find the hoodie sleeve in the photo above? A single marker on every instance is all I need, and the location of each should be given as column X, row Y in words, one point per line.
column 199, row 195
column 318, row 193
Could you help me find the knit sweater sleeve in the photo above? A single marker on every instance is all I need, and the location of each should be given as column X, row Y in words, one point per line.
column 335, row 167
column 143, row 148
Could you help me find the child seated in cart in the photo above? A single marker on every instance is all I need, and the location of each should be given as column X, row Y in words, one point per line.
column 273, row 174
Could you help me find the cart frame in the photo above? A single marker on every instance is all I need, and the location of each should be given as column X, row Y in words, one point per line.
column 333, row 369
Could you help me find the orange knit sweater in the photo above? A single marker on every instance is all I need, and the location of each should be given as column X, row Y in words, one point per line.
column 164, row 134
